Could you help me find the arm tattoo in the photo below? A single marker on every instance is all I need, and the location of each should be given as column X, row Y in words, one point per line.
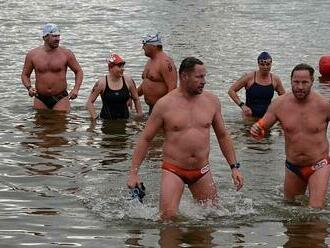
column 244, row 74
column 170, row 67
column 95, row 87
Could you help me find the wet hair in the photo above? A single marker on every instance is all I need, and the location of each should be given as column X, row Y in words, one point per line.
column 303, row 67
column 264, row 56
column 188, row 64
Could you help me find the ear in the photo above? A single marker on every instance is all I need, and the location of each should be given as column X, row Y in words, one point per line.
column 184, row 75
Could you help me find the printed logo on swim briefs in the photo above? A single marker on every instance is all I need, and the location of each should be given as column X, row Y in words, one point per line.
column 205, row 169
column 320, row 164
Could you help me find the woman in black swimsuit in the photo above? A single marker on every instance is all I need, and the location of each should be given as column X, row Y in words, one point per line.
column 115, row 89
column 259, row 88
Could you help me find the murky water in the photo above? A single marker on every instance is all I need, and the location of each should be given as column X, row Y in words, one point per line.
column 63, row 179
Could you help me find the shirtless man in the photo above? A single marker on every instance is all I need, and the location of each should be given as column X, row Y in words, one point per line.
column 187, row 141
column 259, row 88
column 159, row 74
column 50, row 63
column 304, row 116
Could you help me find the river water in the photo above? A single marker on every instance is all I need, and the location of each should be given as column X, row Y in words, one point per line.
column 63, row 179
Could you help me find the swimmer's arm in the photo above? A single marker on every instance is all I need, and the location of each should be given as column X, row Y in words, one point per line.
column 169, row 74
column 226, row 146
column 223, row 137
column 26, row 72
column 328, row 108
column 154, row 123
column 139, row 88
column 279, row 86
column 75, row 67
column 96, row 91
column 134, row 95
column 237, row 86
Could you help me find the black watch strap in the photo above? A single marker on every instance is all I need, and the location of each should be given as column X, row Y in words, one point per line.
column 236, row 165
column 241, row 104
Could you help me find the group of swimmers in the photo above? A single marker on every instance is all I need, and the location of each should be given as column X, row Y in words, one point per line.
column 186, row 113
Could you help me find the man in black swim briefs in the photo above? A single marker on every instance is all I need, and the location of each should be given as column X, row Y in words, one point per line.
column 304, row 116
column 50, row 63
column 51, row 101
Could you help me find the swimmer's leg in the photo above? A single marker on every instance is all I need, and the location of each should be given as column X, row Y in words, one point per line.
column 293, row 185
column 204, row 190
column 171, row 191
column 318, row 186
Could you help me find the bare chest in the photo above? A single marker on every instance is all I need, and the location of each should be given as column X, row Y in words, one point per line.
column 152, row 72
column 49, row 63
column 303, row 121
column 183, row 118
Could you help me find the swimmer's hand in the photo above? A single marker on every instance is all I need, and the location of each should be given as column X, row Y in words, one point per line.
column 247, row 112
column 237, row 178
column 32, row 91
column 133, row 180
column 139, row 117
column 258, row 129
column 73, row 94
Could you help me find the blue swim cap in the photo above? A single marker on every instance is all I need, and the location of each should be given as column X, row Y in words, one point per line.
column 264, row 56
column 153, row 39
column 50, row 28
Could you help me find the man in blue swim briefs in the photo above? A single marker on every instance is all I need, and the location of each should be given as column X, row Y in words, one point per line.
column 304, row 116
column 186, row 115
column 50, row 63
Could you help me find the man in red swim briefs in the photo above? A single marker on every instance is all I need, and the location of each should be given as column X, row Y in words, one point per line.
column 304, row 116
column 186, row 115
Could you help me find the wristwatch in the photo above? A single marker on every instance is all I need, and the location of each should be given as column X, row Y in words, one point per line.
column 236, row 165
column 241, row 104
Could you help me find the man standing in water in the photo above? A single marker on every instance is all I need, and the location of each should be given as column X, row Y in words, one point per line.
column 304, row 116
column 187, row 141
column 159, row 74
column 50, row 63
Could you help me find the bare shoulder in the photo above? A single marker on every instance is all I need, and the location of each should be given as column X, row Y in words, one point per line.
column 248, row 75
column 320, row 99
column 128, row 80
column 210, row 100
column 100, row 83
column 245, row 78
column 34, row 51
column 166, row 62
column 280, row 103
column 276, row 80
column 283, row 99
column 210, row 96
column 276, row 77
column 66, row 51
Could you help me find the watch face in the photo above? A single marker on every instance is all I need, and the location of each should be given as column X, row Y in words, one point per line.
column 237, row 165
